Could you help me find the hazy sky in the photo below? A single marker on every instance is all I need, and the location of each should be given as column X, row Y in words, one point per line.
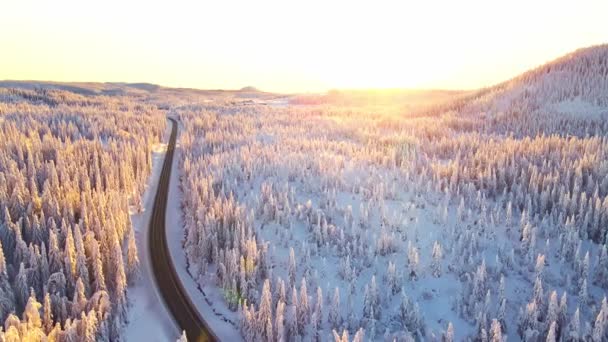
column 283, row 45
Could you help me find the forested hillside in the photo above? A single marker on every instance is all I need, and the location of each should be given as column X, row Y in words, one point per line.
column 574, row 84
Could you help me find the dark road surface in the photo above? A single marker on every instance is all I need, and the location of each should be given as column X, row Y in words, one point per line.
column 173, row 292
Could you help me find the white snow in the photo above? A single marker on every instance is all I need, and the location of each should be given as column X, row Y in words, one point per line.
column 149, row 319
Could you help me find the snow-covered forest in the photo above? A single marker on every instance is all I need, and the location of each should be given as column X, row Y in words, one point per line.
column 348, row 216
column 72, row 166
column 482, row 219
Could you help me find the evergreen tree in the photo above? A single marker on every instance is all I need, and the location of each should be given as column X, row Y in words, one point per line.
column 47, row 314
column 132, row 258
column 334, row 316
column 552, row 334
column 601, row 273
column 319, row 308
column 279, row 322
column 292, row 268
column 265, row 309
column 495, row 331
column 303, row 308
column 21, row 287
column 600, row 326
column 437, row 257
column 574, row 331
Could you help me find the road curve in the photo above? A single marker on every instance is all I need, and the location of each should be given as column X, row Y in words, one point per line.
column 171, row 289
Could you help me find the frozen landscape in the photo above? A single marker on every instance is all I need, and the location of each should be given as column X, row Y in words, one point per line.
column 340, row 216
column 482, row 218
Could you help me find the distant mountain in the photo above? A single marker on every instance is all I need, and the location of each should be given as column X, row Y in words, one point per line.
column 576, row 83
column 85, row 88
column 249, row 89
column 78, row 88
column 144, row 86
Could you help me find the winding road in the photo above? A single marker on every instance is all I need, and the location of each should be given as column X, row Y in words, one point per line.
column 171, row 289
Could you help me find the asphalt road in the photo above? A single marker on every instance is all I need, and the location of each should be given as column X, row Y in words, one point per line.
column 175, row 296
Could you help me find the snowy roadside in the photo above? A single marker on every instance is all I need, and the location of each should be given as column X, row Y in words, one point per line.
column 224, row 330
column 149, row 319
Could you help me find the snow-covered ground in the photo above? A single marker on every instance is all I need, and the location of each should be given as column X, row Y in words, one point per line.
column 203, row 297
column 149, row 319
column 401, row 217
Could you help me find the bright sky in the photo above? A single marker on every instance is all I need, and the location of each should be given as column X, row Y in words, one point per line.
column 283, row 45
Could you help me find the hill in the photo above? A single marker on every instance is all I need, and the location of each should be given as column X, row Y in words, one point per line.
column 574, row 84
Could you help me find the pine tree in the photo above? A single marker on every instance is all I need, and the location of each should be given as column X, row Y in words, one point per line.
column 303, row 308
column 315, row 329
column 552, row 309
column 120, row 280
column 449, row 333
column 495, row 331
column 21, row 287
column 540, row 266
column 574, row 332
column 359, row 336
column 563, row 312
column 539, row 293
column 7, row 297
column 319, row 308
column 437, row 257
column 99, row 282
column 292, row 267
column 31, row 314
column 375, row 298
column 392, row 280
column 132, row 258
column 528, row 320
column 279, row 322
column 526, row 238
column 409, row 315
column 340, row 338
column 584, row 269
column 54, row 334
column 600, row 325
column 335, row 317
column 601, row 273
column 552, row 334
column 80, row 300
column 267, row 334
column 45, row 272
column 483, row 335
column 47, row 314
column 55, row 258
column 583, row 296
column 413, row 260
column 351, row 318
column 371, row 324
column 81, row 264
column 292, row 318
column 70, row 255
column 265, row 309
